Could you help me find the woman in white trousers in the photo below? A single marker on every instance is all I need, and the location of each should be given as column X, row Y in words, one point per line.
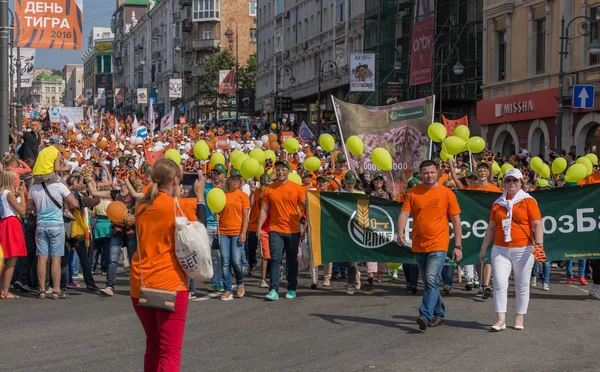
column 514, row 220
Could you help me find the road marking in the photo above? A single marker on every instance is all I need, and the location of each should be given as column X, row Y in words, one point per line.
column 579, row 288
column 207, row 297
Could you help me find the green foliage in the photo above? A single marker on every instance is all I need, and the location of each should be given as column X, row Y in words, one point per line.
column 248, row 74
column 209, row 80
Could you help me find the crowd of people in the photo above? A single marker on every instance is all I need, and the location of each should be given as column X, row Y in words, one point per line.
column 57, row 183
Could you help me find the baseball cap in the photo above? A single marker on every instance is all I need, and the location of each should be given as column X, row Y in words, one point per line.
column 411, row 183
column 324, row 178
column 471, row 175
column 340, row 158
column 376, row 174
column 350, row 178
column 220, row 168
column 55, row 139
column 307, row 174
column 283, row 162
column 234, row 173
column 513, row 172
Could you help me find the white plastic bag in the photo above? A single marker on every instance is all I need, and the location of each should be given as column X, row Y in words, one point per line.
column 192, row 246
column 303, row 256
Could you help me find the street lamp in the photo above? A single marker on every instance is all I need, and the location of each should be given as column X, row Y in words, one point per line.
column 332, row 66
column 229, row 36
column 287, row 70
column 593, row 49
column 458, row 68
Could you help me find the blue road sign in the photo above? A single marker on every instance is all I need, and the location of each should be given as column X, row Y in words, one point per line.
column 583, row 96
column 182, row 109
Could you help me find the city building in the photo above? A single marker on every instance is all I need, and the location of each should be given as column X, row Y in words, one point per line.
column 156, row 41
column 73, row 95
column 46, row 89
column 521, row 90
column 98, row 67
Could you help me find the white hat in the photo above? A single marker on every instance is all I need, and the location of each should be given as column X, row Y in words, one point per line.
column 127, row 152
column 514, row 173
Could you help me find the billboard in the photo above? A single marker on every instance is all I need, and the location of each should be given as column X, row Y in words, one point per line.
column 27, row 58
column 245, row 100
column 226, row 82
column 175, row 88
column 362, row 76
column 48, row 24
column 421, row 57
column 74, row 114
column 142, row 96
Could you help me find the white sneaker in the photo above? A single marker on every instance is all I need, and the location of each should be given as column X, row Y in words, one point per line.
column 533, row 282
column 326, row 283
column 595, row 291
column 78, row 277
column 263, row 284
column 357, row 284
column 350, row 291
column 546, row 287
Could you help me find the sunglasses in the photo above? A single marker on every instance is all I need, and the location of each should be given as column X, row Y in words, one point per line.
column 511, row 180
column 378, row 180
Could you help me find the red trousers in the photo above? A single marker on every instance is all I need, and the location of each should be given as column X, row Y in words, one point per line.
column 164, row 334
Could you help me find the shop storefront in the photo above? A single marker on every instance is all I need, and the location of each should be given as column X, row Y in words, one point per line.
column 519, row 121
column 586, row 129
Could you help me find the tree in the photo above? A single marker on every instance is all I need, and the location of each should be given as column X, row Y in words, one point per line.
column 209, row 79
column 247, row 77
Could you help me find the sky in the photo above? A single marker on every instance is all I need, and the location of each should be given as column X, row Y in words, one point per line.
column 96, row 13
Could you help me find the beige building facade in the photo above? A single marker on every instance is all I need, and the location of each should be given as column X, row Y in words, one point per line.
column 521, row 59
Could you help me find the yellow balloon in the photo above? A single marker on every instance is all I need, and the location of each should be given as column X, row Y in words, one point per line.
column 173, row 155
column 593, row 157
column 295, row 178
column 273, row 126
column 576, row 172
column 475, row 144
column 216, row 200
column 496, row 168
column 355, row 145
column 536, row 164
column 382, row 159
column 239, row 160
column 234, row 155
column 505, row 167
column 559, row 165
column 327, row 142
column 201, row 150
column 250, row 167
column 588, row 164
column 270, row 171
column 312, row 164
column 437, row 132
column 217, row 158
column 443, row 155
column 462, row 132
column 291, row 145
column 545, row 171
column 453, row 145
column 257, row 154
column 269, row 154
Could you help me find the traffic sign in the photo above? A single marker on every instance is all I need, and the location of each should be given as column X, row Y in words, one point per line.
column 182, row 109
column 583, row 96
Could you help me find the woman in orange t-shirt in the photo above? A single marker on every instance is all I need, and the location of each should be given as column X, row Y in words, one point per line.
column 233, row 226
column 155, row 265
column 515, row 220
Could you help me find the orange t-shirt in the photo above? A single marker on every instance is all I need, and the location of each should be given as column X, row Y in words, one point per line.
column 254, row 211
column 489, row 187
column 524, row 213
column 401, row 198
column 294, row 165
column 156, row 245
column 430, row 209
column 594, row 178
column 231, row 217
column 283, row 201
column 443, row 178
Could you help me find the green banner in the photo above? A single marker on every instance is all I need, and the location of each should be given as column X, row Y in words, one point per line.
column 357, row 228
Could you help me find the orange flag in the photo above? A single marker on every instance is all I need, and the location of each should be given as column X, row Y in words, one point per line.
column 452, row 124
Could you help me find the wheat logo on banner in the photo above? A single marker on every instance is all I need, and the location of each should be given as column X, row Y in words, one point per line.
column 370, row 226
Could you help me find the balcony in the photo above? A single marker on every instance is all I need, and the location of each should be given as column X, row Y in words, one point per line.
column 205, row 44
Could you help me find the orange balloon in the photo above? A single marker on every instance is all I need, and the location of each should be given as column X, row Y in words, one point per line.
column 248, row 134
column 116, row 211
column 211, row 135
column 111, row 125
column 73, row 137
column 272, row 137
column 275, row 146
column 309, row 155
column 66, row 155
column 211, row 145
column 102, row 144
column 122, row 126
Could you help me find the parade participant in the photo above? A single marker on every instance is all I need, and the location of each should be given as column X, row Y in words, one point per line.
column 323, row 185
column 155, row 264
column 12, row 162
column 513, row 217
column 218, row 174
column 411, row 271
column 101, row 235
column 49, row 162
column 31, row 141
column 11, row 233
column 253, row 243
column 281, row 201
column 376, row 188
column 233, row 228
column 431, row 204
column 595, row 290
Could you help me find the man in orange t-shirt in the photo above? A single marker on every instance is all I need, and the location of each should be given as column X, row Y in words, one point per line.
column 430, row 205
column 281, row 201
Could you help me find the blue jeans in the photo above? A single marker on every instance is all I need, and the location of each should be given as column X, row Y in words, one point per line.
column 339, row 268
column 50, row 239
column 74, row 265
column 231, row 257
column 580, row 264
column 545, row 271
column 411, row 274
column 448, row 276
column 116, row 242
column 277, row 243
column 430, row 266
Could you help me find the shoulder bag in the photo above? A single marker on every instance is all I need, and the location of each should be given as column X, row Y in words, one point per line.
column 537, row 251
column 66, row 217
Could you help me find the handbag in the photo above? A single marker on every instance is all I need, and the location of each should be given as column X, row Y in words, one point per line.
column 537, row 251
column 66, row 215
column 192, row 246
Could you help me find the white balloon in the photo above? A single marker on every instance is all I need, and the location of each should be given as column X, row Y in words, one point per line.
column 95, row 136
column 139, row 140
column 112, row 137
column 188, row 146
column 159, row 146
column 70, row 125
column 79, row 138
column 258, row 144
column 264, row 139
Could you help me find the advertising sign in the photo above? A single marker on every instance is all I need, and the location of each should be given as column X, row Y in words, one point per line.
column 142, row 96
column 362, row 72
column 175, row 87
column 27, row 57
column 226, row 82
column 421, row 58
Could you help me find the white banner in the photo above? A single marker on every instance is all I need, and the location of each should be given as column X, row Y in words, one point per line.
column 74, row 114
column 142, row 96
column 362, row 72
column 27, row 67
column 175, row 88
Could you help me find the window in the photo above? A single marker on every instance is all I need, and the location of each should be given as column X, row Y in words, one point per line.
column 207, row 34
column 253, row 8
column 206, row 9
column 98, row 64
column 540, row 46
column 339, row 11
column 501, row 55
column 107, row 66
column 277, row 7
column 595, row 16
column 253, row 35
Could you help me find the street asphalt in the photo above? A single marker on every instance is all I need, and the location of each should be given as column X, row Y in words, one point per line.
column 321, row 330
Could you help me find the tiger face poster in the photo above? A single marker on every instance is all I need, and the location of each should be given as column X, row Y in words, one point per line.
column 400, row 128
